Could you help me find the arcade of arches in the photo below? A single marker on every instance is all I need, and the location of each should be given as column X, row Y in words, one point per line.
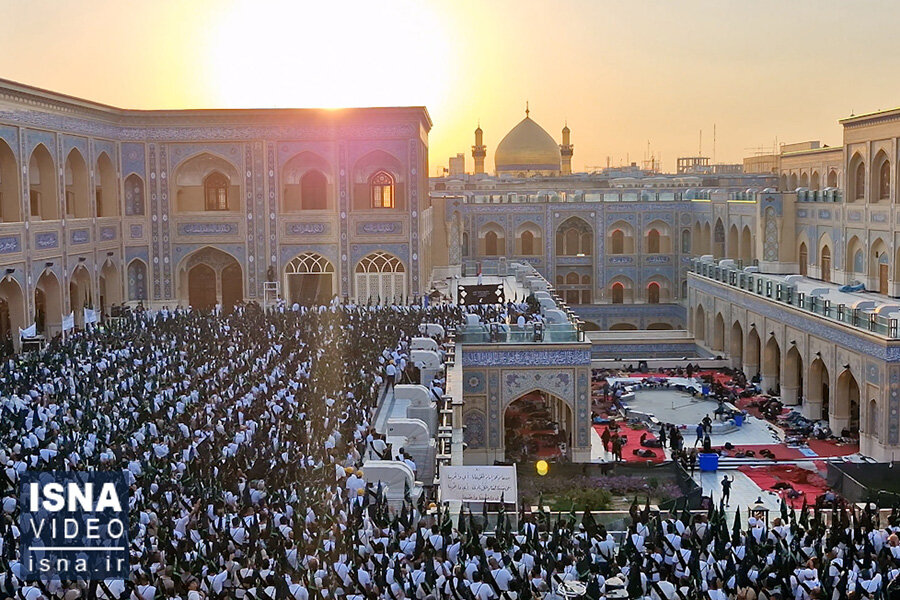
column 783, row 371
column 537, row 425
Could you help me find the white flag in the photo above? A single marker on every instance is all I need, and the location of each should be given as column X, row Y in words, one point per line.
column 28, row 332
column 90, row 316
column 69, row 321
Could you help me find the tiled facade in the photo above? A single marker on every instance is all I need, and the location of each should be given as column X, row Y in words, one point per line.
column 102, row 206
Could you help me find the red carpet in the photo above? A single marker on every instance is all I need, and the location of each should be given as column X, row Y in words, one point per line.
column 808, row 483
column 780, row 451
column 826, row 448
column 634, row 442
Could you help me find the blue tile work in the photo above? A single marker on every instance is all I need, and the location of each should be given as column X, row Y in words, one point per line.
column 307, row 228
column 251, row 240
column 474, row 382
column 582, row 407
column 165, row 252
column 474, row 422
column 493, row 409
column 273, row 208
column 10, row 244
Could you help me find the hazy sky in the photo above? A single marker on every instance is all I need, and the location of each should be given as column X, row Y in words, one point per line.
column 622, row 73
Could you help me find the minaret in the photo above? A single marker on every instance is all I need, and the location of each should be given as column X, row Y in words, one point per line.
column 479, row 152
column 565, row 151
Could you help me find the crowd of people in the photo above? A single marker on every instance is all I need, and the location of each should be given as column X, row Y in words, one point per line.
column 243, row 437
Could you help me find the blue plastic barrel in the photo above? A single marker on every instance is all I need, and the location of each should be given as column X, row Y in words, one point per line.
column 709, row 462
column 739, row 420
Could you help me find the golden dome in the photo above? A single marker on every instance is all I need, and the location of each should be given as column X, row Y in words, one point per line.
column 527, row 147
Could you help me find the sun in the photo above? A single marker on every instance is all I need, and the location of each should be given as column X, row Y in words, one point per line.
column 328, row 54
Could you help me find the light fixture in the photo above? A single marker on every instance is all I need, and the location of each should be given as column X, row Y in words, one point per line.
column 847, row 366
column 48, row 264
column 793, row 342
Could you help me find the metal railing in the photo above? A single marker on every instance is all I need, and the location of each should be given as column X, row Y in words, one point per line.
column 781, row 291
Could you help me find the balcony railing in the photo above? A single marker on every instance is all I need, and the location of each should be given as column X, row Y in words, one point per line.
column 784, row 292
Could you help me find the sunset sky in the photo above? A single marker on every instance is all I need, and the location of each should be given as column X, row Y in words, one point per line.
column 622, row 73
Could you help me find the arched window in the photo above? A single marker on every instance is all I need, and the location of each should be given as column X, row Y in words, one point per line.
column 653, row 293
column 380, row 277
column 618, row 293
column 313, row 191
column 527, row 242
column 653, row 242
column 574, row 238
column 215, row 190
column 832, row 179
column 884, row 180
column 382, row 184
column 618, row 242
column 860, row 181
column 803, row 258
column 686, row 241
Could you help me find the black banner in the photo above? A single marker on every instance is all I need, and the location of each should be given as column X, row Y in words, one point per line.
column 491, row 293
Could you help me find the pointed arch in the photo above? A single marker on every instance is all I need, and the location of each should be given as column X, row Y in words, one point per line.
column 492, row 239
column 208, row 277
column 771, row 368
column 134, row 195
column 736, row 345
column 856, row 256
column 574, row 237
column 378, row 182
column 207, row 182
column 106, row 197
column 42, row 185
column 718, row 340
column 804, row 180
column 137, row 280
column 752, row 353
column 881, row 177
column 700, row 325
column 10, row 192
column 792, row 390
column 719, row 239
column 792, row 182
column 747, row 253
column 844, row 418
column 658, row 237
column 110, row 284
column 832, row 179
column 78, row 203
column 686, row 241
column 309, row 279
column 818, row 391
column 857, row 177
column 734, row 242
column 48, row 304
column 879, row 267
column 12, row 313
column 380, row 277
column 621, row 238
column 815, row 183
column 803, row 259
column 307, row 183
column 529, row 239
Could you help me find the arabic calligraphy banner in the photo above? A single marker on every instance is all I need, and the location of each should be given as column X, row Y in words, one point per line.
column 479, row 483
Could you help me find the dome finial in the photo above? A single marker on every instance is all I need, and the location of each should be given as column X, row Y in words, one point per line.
column 526, row 109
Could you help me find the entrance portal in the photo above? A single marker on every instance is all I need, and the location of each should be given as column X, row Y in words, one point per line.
column 537, row 426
